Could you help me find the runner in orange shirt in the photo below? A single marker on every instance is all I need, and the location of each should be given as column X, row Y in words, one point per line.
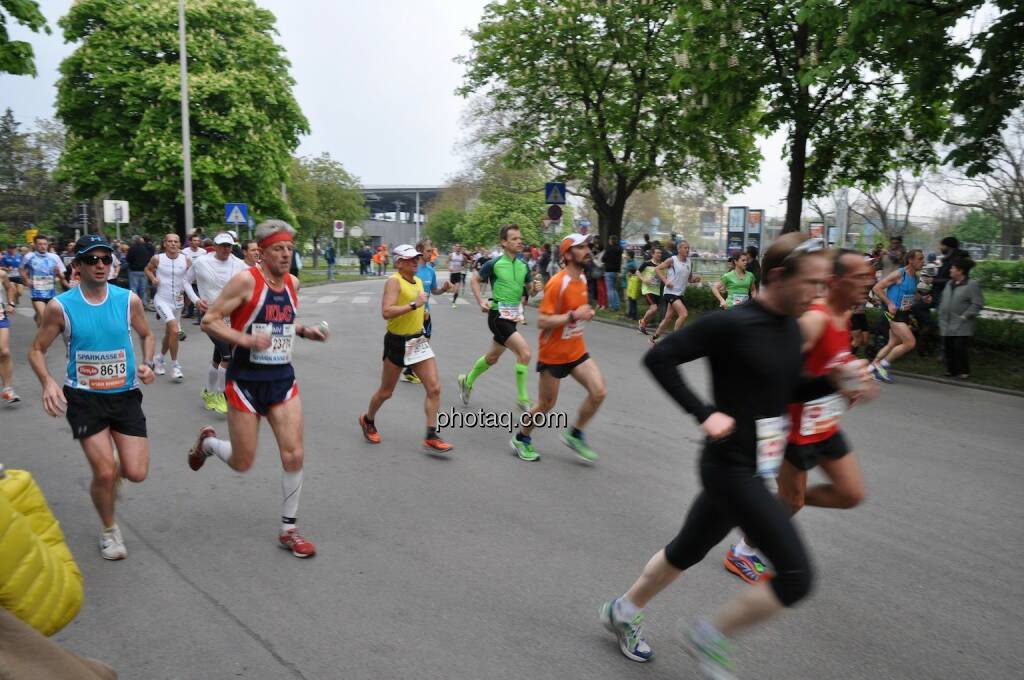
column 562, row 351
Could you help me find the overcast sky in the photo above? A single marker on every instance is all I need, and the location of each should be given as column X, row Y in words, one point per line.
column 376, row 81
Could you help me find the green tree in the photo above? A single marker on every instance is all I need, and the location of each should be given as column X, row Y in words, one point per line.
column 978, row 227
column 119, row 97
column 594, row 92
column 16, row 56
column 442, row 225
column 30, row 196
column 321, row 191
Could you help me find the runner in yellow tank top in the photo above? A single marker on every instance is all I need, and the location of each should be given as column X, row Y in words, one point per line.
column 406, row 345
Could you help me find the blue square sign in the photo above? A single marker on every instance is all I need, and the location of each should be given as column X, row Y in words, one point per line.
column 554, row 192
column 236, row 213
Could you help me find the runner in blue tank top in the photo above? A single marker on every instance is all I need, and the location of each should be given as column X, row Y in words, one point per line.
column 100, row 397
column 41, row 270
column 261, row 303
column 897, row 292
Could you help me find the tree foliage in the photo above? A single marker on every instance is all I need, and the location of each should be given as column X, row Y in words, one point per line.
column 29, row 194
column 442, row 225
column 595, row 92
column 16, row 56
column 977, row 227
column 321, row 191
column 119, row 96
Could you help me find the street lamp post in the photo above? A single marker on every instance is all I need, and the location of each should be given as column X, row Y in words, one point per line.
column 186, row 144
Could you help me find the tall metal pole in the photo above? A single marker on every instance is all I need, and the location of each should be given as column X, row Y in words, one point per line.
column 186, row 143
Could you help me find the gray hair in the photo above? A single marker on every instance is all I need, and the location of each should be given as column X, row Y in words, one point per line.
column 270, row 227
column 136, row 239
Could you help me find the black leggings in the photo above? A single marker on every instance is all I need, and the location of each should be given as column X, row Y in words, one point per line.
column 734, row 496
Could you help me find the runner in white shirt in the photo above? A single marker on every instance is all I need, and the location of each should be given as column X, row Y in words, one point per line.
column 167, row 271
column 193, row 252
column 211, row 274
column 675, row 272
column 456, row 263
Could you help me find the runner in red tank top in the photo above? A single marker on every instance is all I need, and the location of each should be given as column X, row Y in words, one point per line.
column 814, row 435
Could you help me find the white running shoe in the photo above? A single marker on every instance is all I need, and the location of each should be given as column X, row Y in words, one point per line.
column 158, row 369
column 176, row 373
column 112, row 544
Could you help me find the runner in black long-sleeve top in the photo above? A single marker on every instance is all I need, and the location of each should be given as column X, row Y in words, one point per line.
column 754, row 350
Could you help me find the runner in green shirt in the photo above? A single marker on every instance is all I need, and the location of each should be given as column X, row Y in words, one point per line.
column 737, row 285
column 509, row 279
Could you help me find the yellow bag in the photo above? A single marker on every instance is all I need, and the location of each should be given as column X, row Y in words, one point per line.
column 39, row 580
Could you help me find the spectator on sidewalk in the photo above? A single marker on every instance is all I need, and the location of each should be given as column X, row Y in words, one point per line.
column 329, row 258
column 950, row 247
column 959, row 307
column 137, row 258
column 612, row 268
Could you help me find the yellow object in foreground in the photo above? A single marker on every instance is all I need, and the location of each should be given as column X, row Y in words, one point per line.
column 39, row 580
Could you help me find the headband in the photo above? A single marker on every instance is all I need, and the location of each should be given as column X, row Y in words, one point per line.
column 274, row 238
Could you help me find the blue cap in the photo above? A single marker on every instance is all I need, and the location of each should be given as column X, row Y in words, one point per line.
column 91, row 242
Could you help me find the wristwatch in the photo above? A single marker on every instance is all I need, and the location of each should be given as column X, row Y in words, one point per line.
column 414, row 304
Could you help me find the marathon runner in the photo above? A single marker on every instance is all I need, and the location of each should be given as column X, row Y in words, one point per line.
column 261, row 303
column 650, row 288
column 509, row 277
column 897, row 291
column 40, row 270
column 426, row 274
column 814, row 435
column 456, row 262
column 101, row 395
column 755, row 358
column 737, row 285
column 675, row 272
column 406, row 345
column 11, row 263
column 167, row 272
column 211, row 274
column 562, row 351
column 860, row 334
column 193, row 253
column 8, row 292
column 250, row 253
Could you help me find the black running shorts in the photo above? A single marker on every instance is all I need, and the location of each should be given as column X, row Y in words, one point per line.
column 501, row 329
column 92, row 412
column 805, row 456
column 455, row 277
column 561, row 370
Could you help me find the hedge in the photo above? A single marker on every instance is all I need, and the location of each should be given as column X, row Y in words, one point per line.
column 1001, row 334
column 995, row 274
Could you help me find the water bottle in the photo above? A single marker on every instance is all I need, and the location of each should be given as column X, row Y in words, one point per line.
column 323, row 329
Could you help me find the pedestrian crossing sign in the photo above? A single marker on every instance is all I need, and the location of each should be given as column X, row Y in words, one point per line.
column 236, row 213
column 554, row 192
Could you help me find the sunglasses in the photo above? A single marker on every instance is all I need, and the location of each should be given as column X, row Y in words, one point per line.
column 95, row 259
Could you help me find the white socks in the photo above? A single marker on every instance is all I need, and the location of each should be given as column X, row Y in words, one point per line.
column 291, row 489
column 743, row 549
column 221, row 378
column 217, row 447
column 211, row 379
column 624, row 609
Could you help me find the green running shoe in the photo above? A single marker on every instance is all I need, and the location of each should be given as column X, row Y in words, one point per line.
column 579, row 446
column 209, row 400
column 712, row 651
column 629, row 633
column 524, row 405
column 524, row 450
column 220, row 403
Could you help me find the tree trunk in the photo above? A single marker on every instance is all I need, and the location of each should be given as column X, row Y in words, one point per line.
column 609, row 220
column 797, row 173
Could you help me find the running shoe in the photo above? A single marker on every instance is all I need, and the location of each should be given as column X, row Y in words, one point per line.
column 112, row 544
column 579, row 446
column 294, row 541
column 464, row 389
column 10, row 397
column 454, row 306
column 159, row 369
column 654, row 339
column 369, row 430
column 437, row 445
column 176, row 373
column 196, row 455
column 524, row 405
column 749, row 568
column 881, row 373
column 712, row 651
column 181, row 336
column 411, row 377
column 209, row 400
column 524, row 450
column 220, row 403
column 641, row 328
column 630, row 633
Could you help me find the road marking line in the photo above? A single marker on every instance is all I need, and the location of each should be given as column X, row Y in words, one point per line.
column 327, row 299
column 360, row 300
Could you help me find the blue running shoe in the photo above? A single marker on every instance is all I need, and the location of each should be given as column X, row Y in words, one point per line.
column 630, row 633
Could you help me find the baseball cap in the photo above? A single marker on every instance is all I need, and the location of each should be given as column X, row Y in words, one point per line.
column 223, row 238
column 405, row 252
column 571, row 241
column 91, row 242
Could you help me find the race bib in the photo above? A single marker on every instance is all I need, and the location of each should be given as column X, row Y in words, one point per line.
column 42, row 284
column 821, row 415
column 738, row 298
column 101, row 370
column 510, row 312
column 417, row 349
column 282, row 337
column 179, row 299
column 771, row 444
column 906, row 302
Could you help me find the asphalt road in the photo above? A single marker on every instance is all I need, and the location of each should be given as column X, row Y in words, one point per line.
column 483, row 566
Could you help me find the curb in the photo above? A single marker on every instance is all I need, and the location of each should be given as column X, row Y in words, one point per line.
column 902, row 374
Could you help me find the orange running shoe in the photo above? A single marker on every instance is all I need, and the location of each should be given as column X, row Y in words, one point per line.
column 196, row 455
column 749, row 568
column 293, row 540
column 437, row 445
column 369, row 430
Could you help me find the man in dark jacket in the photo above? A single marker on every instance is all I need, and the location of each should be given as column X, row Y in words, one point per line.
column 612, row 267
column 950, row 247
column 137, row 258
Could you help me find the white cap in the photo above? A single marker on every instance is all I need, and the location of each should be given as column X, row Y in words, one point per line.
column 223, row 238
column 571, row 241
column 405, row 252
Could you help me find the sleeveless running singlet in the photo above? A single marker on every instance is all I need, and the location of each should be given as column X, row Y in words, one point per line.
column 100, row 354
column 171, row 274
column 269, row 312
column 409, row 323
column 902, row 292
column 818, row 420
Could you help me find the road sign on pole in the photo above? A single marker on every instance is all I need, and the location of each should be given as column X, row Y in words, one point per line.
column 339, row 228
column 356, row 231
column 116, row 212
column 554, row 212
column 554, row 192
column 236, row 213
